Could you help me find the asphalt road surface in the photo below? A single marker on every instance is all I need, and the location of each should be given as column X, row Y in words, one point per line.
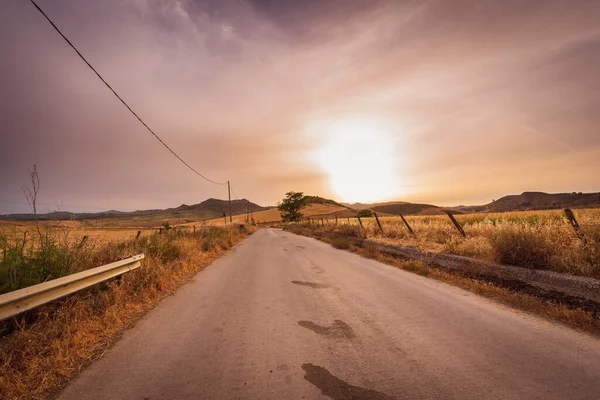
column 287, row 317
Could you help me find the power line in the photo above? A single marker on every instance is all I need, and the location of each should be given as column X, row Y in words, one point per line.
column 234, row 195
column 119, row 97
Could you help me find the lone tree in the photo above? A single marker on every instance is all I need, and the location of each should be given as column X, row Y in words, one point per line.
column 366, row 213
column 291, row 205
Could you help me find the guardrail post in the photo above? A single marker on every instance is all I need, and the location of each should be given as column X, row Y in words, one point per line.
column 574, row 223
column 455, row 222
column 407, row 225
column 378, row 223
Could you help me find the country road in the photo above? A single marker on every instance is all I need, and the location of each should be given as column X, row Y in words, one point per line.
column 287, row 317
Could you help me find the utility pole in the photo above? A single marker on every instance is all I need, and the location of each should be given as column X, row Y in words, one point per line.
column 229, row 192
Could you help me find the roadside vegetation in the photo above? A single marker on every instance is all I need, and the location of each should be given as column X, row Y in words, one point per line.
column 44, row 348
column 531, row 239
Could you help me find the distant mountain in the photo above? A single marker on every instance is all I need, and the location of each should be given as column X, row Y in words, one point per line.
column 521, row 202
column 539, row 201
column 208, row 209
column 322, row 200
column 397, row 207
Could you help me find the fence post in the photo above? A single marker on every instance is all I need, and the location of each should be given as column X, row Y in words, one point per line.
column 194, row 226
column 348, row 220
column 455, row 222
column 137, row 236
column 83, row 240
column 336, row 221
column 359, row 221
column 574, row 223
column 378, row 223
column 322, row 223
column 407, row 225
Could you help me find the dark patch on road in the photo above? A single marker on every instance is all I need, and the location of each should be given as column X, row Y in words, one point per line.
column 336, row 388
column 311, row 284
column 339, row 329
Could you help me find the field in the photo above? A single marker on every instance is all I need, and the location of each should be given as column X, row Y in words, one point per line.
column 532, row 239
column 272, row 215
column 52, row 343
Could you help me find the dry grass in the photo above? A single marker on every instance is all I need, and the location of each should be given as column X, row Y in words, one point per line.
column 55, row 342
column 532, row 239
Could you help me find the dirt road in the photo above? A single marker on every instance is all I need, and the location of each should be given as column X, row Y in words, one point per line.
column 286, row 317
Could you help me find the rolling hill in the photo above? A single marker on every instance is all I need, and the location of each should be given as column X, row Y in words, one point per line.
column 208, row 209
column 540, row 201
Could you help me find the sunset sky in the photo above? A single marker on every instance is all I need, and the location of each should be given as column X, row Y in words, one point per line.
column 443, row 101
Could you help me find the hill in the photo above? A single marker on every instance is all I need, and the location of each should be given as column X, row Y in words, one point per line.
column 540, row 201
column 403, row 208
column 208, row 209
column 397, row 208
column 322, row 200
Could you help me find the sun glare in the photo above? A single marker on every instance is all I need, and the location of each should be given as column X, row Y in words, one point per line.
column 359, row 156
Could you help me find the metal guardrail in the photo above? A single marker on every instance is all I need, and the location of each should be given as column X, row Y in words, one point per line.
column 21, row 300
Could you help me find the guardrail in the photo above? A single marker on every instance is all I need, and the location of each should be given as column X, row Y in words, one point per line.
column 21, row 300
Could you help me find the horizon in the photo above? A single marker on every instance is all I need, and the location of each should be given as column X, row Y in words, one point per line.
column 416, row 101
column 344, row 203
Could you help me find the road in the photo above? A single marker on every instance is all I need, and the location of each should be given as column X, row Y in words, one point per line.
column 287, row 317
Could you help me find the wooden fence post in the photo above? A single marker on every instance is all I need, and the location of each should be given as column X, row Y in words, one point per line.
column 407, row 225
column 336, row 221
column 322, row 223
column 83, row 240
column 359, row 221
column 348, row 220
column 574, row 223
column 137, row 236
column 378, row 223
column 455, row 222
column 194, row 226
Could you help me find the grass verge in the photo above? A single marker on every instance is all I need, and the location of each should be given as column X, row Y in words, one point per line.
column 43, row 349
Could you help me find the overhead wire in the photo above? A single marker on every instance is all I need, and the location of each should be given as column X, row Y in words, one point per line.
column 121, row 99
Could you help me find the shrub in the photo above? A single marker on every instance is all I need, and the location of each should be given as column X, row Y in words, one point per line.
column 523, row 246
column 341, row 243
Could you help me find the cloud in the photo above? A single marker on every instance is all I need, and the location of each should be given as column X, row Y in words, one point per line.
column 234, row 86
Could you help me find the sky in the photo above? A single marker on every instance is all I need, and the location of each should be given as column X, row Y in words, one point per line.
column 442, row 101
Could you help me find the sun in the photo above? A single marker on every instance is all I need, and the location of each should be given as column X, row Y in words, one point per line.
column 360, row 158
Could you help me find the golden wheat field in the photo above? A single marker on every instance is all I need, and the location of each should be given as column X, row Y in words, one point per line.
column 533, row 239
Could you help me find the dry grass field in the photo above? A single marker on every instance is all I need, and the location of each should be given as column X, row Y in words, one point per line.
column 272, row 215
column 533, row 239
column 43, row 348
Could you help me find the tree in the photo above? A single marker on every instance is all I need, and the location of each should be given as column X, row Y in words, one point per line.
column 366, row 213
column 291, row 205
